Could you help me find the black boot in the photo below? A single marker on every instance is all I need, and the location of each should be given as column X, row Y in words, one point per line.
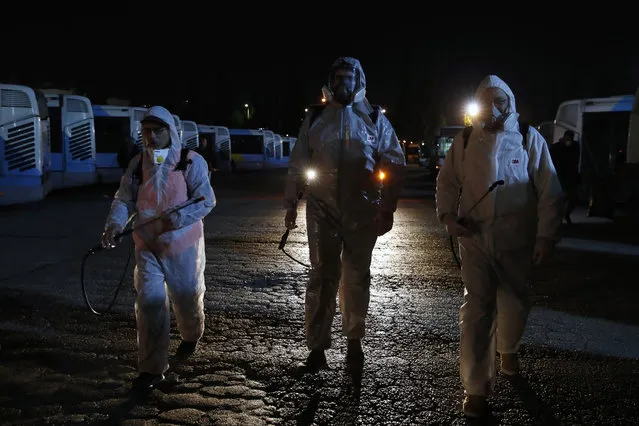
column 315, row 361
column 186, row 349
column 354, row 352
column 145, row 382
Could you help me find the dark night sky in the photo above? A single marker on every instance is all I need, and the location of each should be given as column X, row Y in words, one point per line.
column 417, row 75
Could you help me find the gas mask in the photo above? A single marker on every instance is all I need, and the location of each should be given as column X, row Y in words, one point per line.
column 494, row 109
column 346, row 84
column 343, row 87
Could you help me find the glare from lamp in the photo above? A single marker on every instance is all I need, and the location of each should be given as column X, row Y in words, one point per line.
column 311, row 174
column 472, row 109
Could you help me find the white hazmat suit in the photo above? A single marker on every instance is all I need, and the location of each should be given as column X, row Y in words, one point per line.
column 345, row 148
column 497, row 258
column 175, row 257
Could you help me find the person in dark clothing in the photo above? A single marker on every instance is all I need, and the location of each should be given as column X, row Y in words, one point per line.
column 565, row 155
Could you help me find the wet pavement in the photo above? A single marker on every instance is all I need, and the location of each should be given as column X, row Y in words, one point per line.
column 60, row 364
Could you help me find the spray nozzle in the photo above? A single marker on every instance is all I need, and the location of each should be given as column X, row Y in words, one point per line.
column 495, row 185
column 491, row 188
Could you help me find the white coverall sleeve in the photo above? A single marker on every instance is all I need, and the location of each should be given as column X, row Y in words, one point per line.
column 448, row 183
column 547, row 187
column 298, row 163
column 123, row 204
column 198, row 184
column 392, row 162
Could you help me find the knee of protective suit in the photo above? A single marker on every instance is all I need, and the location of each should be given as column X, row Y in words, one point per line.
column 477, row 306
column 357, row 276
column 324, row 272
column 151, row 299
column 186, row 294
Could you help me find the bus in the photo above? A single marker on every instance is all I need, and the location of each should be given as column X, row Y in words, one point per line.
column 73, row 155
column 287, row 147
column 219, row 144
column 607, row 130
column 190, row 138
column 118, row 137
column 250, row 148
column 24, row 145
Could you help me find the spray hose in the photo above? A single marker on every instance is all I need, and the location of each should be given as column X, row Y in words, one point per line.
column 462, row 220
column 117, row 237
column 311, row 174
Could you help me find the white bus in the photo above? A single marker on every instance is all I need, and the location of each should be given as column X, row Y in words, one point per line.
column 178, row 125
column 219, row 144
column 278, row 160
column 287, row 147
column 117, row 139
column 190, row 138
column 24, row 145
column 250, row 147
column 72, row 141
column 269, row 143
column 609, row 147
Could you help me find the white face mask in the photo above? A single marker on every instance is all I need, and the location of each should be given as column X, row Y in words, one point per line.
column 496, row 119
column 158, row 155
column 496, row 113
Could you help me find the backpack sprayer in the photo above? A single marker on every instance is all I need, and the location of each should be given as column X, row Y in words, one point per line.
column 463, row 221
column 310, row 176
column 118, row 236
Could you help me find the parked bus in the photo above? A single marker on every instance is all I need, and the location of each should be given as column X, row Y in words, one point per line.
column 73, row 154
column 24, row 145
column 219, row 144
column 118, row 137
column 250, row 147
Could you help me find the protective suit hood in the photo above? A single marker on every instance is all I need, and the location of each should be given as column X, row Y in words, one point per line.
column 161, row 114
column 359, row 95
column 492, row 81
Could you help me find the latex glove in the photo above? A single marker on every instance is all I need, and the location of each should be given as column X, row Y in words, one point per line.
column 453, row 227
column 108, row 236
column 166, row 223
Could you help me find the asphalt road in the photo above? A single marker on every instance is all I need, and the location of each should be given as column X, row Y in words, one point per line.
column 60, row 364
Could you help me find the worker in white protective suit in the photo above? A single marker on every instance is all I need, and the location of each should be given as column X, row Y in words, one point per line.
column 514, row 227
column 347, row 142
column 170, row 250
